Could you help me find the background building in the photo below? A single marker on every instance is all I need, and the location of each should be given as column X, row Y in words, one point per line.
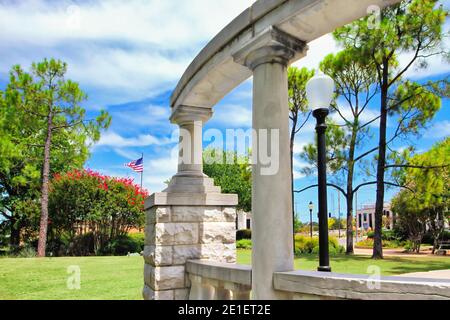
column 243, row 220
column 365, row 217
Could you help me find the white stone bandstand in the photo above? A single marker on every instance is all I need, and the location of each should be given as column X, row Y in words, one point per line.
column 190, row 230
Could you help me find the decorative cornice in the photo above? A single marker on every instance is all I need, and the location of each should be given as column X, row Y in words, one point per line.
column 188, row 114
column 271, row 46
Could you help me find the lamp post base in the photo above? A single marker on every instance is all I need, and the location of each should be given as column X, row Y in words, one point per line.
column 324, row 269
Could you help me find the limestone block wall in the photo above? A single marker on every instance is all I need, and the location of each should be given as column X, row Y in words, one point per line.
column 176, row 234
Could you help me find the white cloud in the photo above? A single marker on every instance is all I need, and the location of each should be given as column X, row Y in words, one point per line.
column 136, row 72
column 129, row 50
column 127, row 154
column 366, row 116
column 299, row 145
column 150, row 115
column 318, row 49
column 112, row 139
column 169, row 24
column 159, row 170
column 126, row 50
column 436, row 64
column 321, row 47
column 439, row 130
column 232, row 116
column 298, row 165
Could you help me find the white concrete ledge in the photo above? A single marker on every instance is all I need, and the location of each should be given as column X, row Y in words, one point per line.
column 227, row 272
column 361, row 287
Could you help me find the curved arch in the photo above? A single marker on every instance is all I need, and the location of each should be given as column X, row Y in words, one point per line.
column 214, row 73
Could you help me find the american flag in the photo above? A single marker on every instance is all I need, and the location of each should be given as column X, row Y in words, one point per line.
column 136, row 165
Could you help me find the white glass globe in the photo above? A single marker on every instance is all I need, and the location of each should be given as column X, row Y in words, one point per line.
column 319, row 91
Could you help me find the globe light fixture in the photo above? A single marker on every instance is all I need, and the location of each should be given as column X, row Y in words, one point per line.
column 319, row 91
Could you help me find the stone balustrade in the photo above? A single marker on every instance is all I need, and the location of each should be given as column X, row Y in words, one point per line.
column 223, row 281
column 218, row 281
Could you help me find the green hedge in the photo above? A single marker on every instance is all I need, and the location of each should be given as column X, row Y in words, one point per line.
column 83, row 245
column 132, row 243
column 392, row 244
column 428, row 238
column 244, row 244
column 307, row 245
column 303, row 245
column 243, row 234
column 388, row 235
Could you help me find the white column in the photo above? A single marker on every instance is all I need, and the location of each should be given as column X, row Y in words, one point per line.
column 190, row 120
column 268, row 57
column 178, row 220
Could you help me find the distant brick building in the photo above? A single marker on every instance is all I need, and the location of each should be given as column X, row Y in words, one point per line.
column 365, row 217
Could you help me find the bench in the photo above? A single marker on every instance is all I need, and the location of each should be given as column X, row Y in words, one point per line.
column 443, row 247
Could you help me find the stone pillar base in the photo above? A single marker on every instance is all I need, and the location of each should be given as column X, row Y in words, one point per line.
column 183, row 226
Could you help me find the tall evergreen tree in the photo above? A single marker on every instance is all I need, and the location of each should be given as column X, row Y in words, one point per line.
column 47, row 109
column 412, row 28
column 355, row 90
column 298, row 114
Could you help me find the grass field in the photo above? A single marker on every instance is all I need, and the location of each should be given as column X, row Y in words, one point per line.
column 119, row 278
column 358, row 264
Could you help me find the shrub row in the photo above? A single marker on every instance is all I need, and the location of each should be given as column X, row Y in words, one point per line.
column 308, row 245
column 368, row 243
column 303, row 245
column 388, row 235
column 83, row 245
column 244, row 244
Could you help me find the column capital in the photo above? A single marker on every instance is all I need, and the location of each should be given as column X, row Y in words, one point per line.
column 271, row 46
column 188, row 114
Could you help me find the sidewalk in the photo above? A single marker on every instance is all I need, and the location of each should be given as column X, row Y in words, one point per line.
column 394, row 253
column 388, row 252
column 438, row 274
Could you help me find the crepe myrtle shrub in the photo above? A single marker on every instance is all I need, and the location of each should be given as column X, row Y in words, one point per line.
column 85, row 202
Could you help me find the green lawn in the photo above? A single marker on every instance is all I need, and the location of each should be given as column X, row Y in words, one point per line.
column 115, row 278
column 359, row 264
column 121, row 277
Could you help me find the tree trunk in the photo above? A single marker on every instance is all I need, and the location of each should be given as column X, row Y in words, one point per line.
column 435, row 244
column 349, row 232
column 349, row 197
column 437, row 227
column 378, row 244
column 14, row 239
column 44, row 189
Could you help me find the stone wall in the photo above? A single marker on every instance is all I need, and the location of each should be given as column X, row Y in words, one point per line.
column 178, row 233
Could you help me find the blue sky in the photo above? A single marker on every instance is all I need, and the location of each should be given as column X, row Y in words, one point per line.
column 129, row 55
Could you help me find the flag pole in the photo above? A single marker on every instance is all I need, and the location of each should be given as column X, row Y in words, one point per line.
column 142, row 172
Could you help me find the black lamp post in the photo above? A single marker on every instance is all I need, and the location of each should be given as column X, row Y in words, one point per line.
column 320, row 93
column 311, row 208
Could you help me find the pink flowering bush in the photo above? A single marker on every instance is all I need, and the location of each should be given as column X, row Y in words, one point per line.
column 99, row 209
